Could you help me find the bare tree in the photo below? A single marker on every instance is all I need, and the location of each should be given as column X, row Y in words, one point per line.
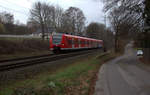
column 146, row 34
column 74, row 19
column 32, row 26
column 147, row 12
column 2, row 28
column 41, row 13
column 7, row 18
column 47, row 16
column 99, row 31
column 95, row 30
column 38, row 16
column 58, row 14
column 125, row 17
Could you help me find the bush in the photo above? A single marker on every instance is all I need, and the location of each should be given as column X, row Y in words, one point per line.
column 26, row 45
column 2, row 28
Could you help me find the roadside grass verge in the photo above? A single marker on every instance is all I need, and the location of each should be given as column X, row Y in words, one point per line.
column 73, row 79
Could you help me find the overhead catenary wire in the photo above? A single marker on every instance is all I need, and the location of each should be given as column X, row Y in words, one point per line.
column 8, row 9
column 6, row 1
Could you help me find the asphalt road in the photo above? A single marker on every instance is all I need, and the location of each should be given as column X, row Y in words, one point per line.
column 124, row 75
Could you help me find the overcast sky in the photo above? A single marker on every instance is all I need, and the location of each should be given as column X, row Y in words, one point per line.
column 20, row 8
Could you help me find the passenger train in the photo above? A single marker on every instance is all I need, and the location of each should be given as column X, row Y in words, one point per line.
column 60, row 42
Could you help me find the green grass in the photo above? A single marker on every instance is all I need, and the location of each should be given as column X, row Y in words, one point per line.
column 65, row 80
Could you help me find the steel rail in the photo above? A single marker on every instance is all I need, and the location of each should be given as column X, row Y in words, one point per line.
column 24, row 58
column 38, row 60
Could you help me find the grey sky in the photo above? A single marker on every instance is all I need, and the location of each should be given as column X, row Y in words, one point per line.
column 20, row 8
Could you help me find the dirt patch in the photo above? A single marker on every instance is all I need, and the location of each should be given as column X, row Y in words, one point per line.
column 93, row 83
column 86, row 84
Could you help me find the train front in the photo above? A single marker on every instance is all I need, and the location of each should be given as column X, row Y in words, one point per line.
column 55, row 42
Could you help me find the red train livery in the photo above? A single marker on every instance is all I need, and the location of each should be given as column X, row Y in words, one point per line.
column 60, row 42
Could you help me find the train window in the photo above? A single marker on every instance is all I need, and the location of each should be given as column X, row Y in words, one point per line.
column 72, row 40
column 79, row 41
column 69, row 41
column 76, row 41
column 87, row 42
column 82, row 42
column 57, row 39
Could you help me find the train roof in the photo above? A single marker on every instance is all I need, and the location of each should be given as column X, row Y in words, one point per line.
column 60, row 34
column 80, row 37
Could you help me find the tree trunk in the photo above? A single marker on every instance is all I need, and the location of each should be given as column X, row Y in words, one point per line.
column 146, row 54
column 147, row 31
column 43, row 31
column 147, row 12
column 116, row 40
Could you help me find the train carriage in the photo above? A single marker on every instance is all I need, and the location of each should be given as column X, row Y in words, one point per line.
column 59, row 42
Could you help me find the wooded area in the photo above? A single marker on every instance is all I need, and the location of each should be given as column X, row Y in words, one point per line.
column 46, row 16
column 130, row 20
column 9, row 26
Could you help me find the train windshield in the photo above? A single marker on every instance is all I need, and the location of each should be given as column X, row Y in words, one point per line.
column 57, row 39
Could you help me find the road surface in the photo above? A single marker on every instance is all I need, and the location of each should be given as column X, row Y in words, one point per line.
column 124, row 75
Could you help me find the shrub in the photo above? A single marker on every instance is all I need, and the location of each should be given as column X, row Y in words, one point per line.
column 2, row 28
column 22, row 46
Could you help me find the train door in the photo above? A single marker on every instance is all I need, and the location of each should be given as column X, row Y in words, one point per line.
column 86, row 44
column 79, row 43
column 69, row 40
column 89, row 43
column 73, row 46
column 76, row 42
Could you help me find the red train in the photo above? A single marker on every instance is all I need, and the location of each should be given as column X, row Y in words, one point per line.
column 59, row 42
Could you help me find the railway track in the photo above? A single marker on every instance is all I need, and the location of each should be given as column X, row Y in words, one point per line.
column 24, row 58
column 6, row 65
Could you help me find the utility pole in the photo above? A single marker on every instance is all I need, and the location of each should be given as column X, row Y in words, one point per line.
column 105, row 20
column 105, row 34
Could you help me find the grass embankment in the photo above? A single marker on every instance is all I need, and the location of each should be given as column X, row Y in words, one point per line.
column 17, row 47
column 74, row 79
